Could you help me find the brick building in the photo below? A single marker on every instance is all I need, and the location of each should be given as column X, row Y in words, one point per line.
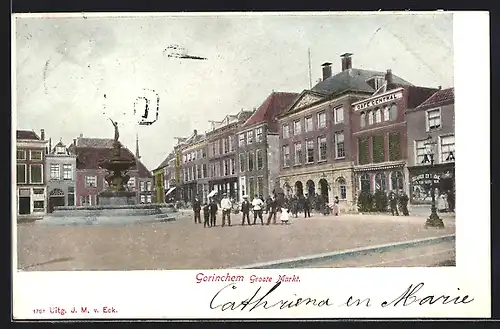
column 31, row 183
column 379, row 141
column 222, row 154
column 161, row 179
column 60, row 170
column 90, row 179
column 315, row 133
column 434, row 118
column 258, row 150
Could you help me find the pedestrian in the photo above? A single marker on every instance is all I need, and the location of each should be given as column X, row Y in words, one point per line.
column 336, row 204
column 245, row 209
column 213, row 212
column 268, row 204
column 394, row 204
column 306, row 206
column 206, row 215
column 197, row 210
column 284, row 217
column 403, row 203
column 226, row 206
column 257, row 204
column 273, row 208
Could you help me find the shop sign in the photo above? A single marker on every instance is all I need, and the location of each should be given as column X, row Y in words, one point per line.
column 426, row 179
column 378, row 101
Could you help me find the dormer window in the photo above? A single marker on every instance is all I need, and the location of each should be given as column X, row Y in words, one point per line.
column 60, row 150
column 376, row 82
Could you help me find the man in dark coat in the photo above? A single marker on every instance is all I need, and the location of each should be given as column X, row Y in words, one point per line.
column 394, row 204
column 273, row 208
column 403, row 203
column 306, row 206
column 206, row 215
column 245, row 210
column 213, row 212
column 197, row 210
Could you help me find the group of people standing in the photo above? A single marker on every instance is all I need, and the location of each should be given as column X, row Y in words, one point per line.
column 210, row 209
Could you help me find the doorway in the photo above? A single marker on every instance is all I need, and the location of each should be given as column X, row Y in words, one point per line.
column 24, row 205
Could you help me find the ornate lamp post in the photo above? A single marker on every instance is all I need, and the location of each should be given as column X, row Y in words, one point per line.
column 434, row 220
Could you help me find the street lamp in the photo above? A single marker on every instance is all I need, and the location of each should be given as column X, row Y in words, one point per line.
column 433, row 220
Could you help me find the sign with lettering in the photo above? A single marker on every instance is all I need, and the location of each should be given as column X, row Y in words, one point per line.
column 379, row 100
column 426, row 179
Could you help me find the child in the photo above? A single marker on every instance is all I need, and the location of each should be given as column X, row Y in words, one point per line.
column 206, row 215
column 284, row 216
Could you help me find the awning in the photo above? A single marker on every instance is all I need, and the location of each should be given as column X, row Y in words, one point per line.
column 212, row 193
column 170, row 190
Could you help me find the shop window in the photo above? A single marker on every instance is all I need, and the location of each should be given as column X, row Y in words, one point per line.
column 380, row 182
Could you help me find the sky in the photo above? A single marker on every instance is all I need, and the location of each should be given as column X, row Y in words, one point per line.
column 74, row 73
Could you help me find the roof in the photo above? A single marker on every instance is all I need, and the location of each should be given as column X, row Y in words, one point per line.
column 94, row 142
column 438, row 98
column 352, row 79
column 417, row 95
column 165, row 162
column 273, row 106
column 27, row 134
column 89, row 158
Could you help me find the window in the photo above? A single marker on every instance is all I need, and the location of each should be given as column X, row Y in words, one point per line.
column 90, row 181
column 362, row 119
column 55, row 171
column 420, row 152
column 217, row 169
column 148, row 199
column 310, row 151
column 142, row 186
column 225, row 145
column 231, row 143
column 447, row 148
column 286, row 156
column 242, row 162
column 338, row 115
column 370, row 117
column 395, row 146
column 260, row 185
column 36, row 173
column 342, row 188
column 397, row 183
column 35, row 155
column 71, row 195
column 67, row 171
column 260, row 162
column 143, row 198
column 85, row 200
column 251, row 156
column 378, row 115
column 21, row 155
column 38, row 206
column 298, row 153
column 148, row 185
column 204, row 153
column 364, row 181
column 21, row 173
column 242, row 140
column 321, row 120
column 286, row 130
column 232, row 166
column 297, row 128
column 393, row 112
column 131, row 183
column 339, row 145
column 378, row 149
column 258, row 134
column 198, row 172
column 249, row 137
column 386, row 113
column 363, row 156
column 322, row 148
column 433, row 119
column 380, row 182
column 226, row 167
column 251, row 187
column 204, row 170
column 217, row 147
column 309, row 126
column 212, row 170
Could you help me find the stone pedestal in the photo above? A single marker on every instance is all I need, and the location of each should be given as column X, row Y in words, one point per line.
column 111, row 198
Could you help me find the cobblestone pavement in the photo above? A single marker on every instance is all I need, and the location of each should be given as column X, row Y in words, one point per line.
column 420, row 256
column 185, row 245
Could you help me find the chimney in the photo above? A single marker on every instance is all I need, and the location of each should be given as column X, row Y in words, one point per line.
column 388, row 76
column 74, row 142
column 50, row 145
column 327, row 70
column 346, row 61
column 42, row 134
column 439, row 87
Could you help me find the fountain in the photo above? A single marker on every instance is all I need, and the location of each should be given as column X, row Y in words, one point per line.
column 117, row 205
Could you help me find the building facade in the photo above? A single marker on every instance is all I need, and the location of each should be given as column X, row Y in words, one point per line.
column 60, row 170
column 194, row 168
column 434, row 118
column 258, row 150
column 90, row 178
column 316, row 135
column 31, row 183
column 379, row 132
column 222, row 154
column 162, row 178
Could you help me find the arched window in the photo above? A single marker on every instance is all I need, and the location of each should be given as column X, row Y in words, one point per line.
column 364, row 182
column 342, row 188
column 393, row 112
column 362, row 119
column 397, row 182
column 386, row 113
column 380, row 182
column 370, row 117
column 378, row 115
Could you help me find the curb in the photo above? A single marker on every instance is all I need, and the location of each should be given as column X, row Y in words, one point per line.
column 346, row 254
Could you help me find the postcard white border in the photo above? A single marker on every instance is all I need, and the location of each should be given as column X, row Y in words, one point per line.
column 175, row 294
